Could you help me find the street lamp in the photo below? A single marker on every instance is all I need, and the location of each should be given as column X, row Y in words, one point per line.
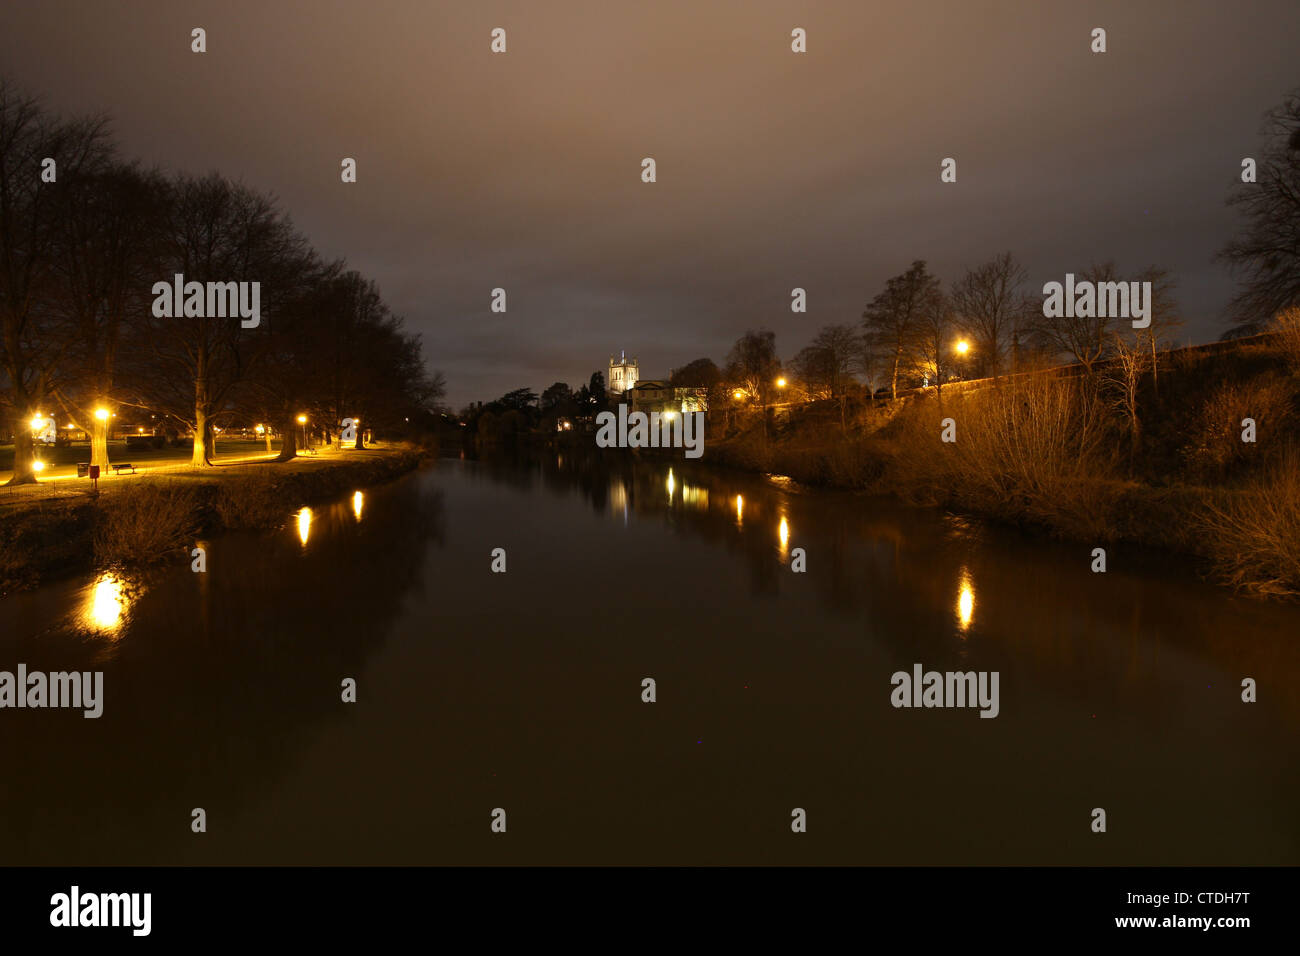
column 101, row 414
column 780, row 383
column 962, row 346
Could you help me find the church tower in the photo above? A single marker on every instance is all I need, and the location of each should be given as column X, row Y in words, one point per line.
column 622, row 374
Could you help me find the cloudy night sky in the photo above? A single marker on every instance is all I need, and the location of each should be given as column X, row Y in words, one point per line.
column 775, row 170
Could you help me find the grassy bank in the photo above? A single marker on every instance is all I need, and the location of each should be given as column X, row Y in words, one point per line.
column 152, row 518
column 1066, row 458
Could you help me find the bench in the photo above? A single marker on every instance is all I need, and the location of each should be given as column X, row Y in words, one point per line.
column 307, row 451
column 125, row 464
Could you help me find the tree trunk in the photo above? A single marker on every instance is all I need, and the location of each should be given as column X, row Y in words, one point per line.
column 268, row 441
column 288, row 440
column 361, row 440
column 199, row 457
column 24, row 455
column 99, row 444
column 210, row 443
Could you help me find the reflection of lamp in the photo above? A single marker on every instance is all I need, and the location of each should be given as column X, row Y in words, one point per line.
column 965, row 600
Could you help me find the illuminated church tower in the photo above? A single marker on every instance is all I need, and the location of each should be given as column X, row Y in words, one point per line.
column 622, row 374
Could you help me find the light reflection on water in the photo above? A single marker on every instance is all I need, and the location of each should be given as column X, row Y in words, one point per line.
column 105, row 604
column 965, row 600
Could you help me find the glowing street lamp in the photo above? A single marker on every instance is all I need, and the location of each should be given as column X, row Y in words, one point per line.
column 302, row 419
column 38, row 465
column 962, row 346
column 780, row 382
column 38, row 422
column 101, row 414
column 738, row 394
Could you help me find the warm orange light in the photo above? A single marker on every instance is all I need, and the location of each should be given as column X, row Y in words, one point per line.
column 737, row 394
column 965, row 600
column 780, row 383
column 302, row 419
column 962, row 347
column 101, row 414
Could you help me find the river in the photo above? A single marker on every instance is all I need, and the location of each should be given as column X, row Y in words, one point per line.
column 523, row 690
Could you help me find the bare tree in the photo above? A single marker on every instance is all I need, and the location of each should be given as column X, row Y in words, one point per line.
column 1123, row 377
column 34, row 340
column 1085, row 339
column 935, row 338
column 1266, row 258
column 991, row 308
column 109, row 220
column 1166, row 318
column 219, row 232
column 752, row 363
column 891, row 319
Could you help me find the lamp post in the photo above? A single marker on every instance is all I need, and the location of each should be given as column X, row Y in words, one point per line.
column 302, row 426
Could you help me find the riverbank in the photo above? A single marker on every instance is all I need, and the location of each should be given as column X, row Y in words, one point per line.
column 1211, row 473
column 146, row 519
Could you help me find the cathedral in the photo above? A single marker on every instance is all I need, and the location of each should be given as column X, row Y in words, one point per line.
column 622, row 374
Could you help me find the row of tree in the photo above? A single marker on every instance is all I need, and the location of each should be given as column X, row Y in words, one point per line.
column 84, row 237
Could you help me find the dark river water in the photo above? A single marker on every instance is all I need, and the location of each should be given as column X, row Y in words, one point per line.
column 523, row 690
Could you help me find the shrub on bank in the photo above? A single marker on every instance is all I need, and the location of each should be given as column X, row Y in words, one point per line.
column 1254, row 536
column 145, row 523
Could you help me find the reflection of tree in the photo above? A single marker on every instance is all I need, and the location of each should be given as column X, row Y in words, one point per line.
column 212, row 717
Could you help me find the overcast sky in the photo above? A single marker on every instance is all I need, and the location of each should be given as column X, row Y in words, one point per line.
column 775, row 170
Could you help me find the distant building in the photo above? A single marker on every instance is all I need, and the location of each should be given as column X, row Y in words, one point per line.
column 623, row 375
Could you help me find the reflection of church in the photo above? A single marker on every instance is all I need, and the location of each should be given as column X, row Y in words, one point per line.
column 622, row 374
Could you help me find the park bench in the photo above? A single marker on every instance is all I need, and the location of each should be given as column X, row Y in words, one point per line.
column 125, row 464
